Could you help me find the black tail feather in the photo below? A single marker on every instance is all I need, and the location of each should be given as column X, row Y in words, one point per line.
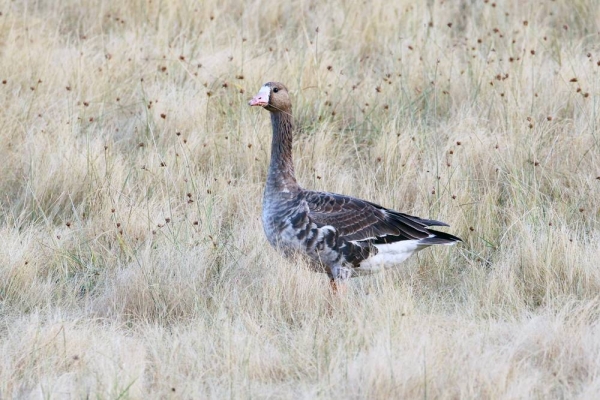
column 440, row 238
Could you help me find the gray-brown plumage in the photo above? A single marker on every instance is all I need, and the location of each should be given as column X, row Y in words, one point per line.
column 343, row 235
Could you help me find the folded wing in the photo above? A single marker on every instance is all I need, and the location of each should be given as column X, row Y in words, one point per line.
column 361, row 221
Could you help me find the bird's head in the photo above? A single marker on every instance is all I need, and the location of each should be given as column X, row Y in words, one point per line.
column 274, row 97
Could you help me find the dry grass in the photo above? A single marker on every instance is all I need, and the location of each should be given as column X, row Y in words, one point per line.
column 132, row 259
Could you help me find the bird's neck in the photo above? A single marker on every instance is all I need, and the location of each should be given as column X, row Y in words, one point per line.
column 281, row 177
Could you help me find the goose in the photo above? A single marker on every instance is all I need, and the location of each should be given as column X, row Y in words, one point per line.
column 343, row 236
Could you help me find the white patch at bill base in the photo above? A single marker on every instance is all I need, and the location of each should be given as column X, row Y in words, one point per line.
column 264, row 93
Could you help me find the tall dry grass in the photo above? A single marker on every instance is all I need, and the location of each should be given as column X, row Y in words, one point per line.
column 132, row 259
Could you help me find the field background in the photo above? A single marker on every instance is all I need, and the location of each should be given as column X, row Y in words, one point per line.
column 132, row 258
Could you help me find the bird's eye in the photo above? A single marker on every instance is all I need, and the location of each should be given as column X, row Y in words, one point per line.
column 275, row 90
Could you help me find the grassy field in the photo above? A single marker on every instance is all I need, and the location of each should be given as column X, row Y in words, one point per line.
column 132, row 258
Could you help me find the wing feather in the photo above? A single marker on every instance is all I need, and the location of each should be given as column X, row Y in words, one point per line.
column 359, row 220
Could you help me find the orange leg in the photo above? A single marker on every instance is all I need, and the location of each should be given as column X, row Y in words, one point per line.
column 337, row 288
column 333, row 285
